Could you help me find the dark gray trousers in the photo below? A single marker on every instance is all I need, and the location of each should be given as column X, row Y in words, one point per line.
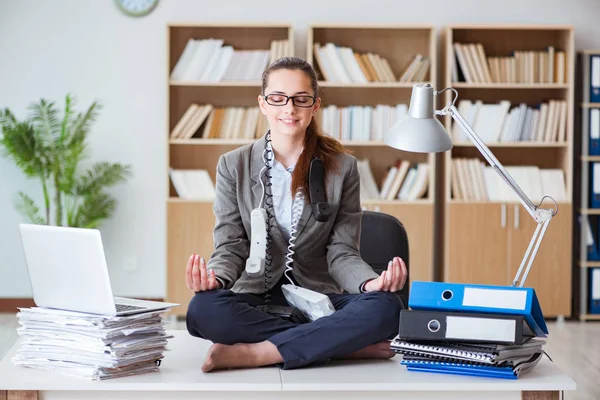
column 223, row 316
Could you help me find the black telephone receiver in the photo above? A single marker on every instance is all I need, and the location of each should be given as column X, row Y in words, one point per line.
column 316, row 188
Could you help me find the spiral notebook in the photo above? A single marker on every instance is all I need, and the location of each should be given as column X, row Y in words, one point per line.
column 491, row 355
column 473, row 369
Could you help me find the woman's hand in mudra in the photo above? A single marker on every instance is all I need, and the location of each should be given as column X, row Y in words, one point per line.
column 390, row 280
column 196, row 276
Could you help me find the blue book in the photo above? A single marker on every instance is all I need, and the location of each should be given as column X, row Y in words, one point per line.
column 460, row 297
column 460, row 369
column 474, row 369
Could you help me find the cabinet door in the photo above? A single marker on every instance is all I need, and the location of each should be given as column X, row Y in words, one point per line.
column 550, row 274
column 477, row 243
column 189, row 230
column 418, row 222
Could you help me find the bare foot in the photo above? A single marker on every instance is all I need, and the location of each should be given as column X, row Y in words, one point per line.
column 240, row 355
column 379, row 350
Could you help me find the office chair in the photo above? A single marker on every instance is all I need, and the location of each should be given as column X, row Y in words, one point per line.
column 383, row 237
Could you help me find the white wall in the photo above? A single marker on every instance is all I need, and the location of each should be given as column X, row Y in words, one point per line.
column 90, row 49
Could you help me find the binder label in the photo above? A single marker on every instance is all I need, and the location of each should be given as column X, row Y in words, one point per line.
column 502, row 330
column 595, row 123
column 495, row 298
column 596, row 284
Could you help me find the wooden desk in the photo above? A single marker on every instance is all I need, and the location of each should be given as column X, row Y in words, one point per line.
column 180, row 377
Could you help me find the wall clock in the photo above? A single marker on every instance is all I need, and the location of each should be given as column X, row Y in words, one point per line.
column 136, row 8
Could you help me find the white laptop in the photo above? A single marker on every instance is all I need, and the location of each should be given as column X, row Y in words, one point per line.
column 67, row 269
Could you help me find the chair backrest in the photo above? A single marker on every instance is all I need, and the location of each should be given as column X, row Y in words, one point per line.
column 382, row 238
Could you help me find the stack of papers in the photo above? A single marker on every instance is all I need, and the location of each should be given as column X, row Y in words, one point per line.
column 90, row 346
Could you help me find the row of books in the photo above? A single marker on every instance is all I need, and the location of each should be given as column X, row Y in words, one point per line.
column 220, row 123
column 345, row 65
column 360, row 123
column 90, row 346
column 471, row 65
column 473, row 180
column 497, row 122
column 193, row 184
column 479, row 336
column 209, row 60
column 403, row 181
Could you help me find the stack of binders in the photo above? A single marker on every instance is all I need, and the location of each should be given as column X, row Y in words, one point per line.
column 90, row 346
column 490, row 331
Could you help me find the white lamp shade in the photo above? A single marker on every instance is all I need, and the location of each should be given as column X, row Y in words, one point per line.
column 419, row 135
column 419, row 131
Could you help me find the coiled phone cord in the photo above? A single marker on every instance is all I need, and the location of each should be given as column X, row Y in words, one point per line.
column 296, row 214
column 267, row 197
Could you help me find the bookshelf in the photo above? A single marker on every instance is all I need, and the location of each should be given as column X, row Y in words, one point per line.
column 485, row 240
column 398, row 45
column 586, row 262
column 190, row 223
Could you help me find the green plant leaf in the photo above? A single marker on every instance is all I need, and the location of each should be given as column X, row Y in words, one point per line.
column 22, row 144
column 94, row 208
column 26, row 206
column 46, row 122
column 80, row 126
column 100, row 175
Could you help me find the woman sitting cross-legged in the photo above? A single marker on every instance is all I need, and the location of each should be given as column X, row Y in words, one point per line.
column 272, row 173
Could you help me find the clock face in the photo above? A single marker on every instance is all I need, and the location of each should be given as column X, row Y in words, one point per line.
column 136, row 8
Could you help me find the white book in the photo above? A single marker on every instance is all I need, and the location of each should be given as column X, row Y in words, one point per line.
column 553, row 184
column 233, row 67
column 408, row 183
column 490, row 119
column 203, row 57
column 543, row 121
column 222, row 65
column 178, row 72
column 419, row 188
column 337, row 63
column 388, row 181
column 193, row 184
column 211, row 64
column 352, row 65
column 371, row 192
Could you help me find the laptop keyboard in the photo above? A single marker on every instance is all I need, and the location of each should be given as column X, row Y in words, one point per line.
column 125, row 307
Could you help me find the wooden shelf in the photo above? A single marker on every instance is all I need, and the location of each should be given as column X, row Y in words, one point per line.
column 589, row 264
column 398, row 202
column 590, row 105
column 590, row 158
column 217, row 84
column 589, row 317
column 366, row 202
column 525, row 86
column 590, row 211
column 516, row 144
column 370, row 85
column 241, row 142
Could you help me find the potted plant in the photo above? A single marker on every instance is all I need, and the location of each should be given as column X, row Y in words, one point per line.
column 51, row 149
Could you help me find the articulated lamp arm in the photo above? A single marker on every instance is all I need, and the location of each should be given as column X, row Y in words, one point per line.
column 541, row 215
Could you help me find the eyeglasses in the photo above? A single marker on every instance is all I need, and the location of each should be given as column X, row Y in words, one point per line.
column 278, row 100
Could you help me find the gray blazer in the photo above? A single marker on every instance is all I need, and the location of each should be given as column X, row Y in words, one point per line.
column 326, row 256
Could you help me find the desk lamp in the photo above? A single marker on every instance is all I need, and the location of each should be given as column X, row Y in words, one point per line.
column 421, row 132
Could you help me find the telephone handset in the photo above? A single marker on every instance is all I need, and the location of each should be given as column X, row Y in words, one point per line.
column 255, row 264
